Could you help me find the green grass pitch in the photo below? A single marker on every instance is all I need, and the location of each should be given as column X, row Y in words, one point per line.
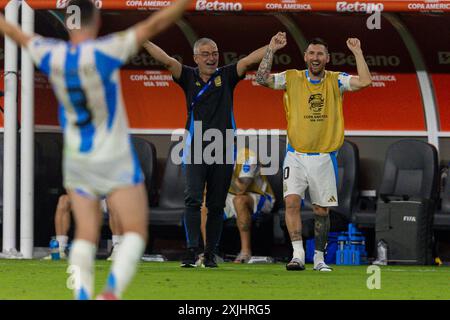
column 46, row 280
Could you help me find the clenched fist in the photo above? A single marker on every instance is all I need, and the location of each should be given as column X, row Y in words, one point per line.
column 278, row 41
column 354, row 45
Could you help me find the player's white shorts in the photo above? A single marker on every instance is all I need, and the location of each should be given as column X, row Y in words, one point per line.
column 96, row 179
column 315, row 171
column 261, row 204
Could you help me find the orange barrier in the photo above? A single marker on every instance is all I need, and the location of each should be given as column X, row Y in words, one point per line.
column 441, row 83
column 259, row 5
column 394, row 102
column 154, row 101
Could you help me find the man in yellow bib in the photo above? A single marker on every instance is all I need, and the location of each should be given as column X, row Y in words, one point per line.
column 250, row 195
column 315, row 129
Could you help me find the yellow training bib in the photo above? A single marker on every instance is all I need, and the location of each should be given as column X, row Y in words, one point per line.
column 314, row 112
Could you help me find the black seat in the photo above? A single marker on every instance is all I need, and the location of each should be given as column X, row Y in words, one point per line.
column 48, row 184
column 146, row 153
column 348, row 175
column 348, row 169
column 442, row 217
column 49, row 166
column 170, row 209
column 410, row 172
column 276, row 180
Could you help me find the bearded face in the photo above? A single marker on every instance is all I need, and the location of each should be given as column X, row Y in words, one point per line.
column 316, row 57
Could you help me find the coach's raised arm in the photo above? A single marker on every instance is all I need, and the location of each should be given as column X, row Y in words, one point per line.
column 171, row 64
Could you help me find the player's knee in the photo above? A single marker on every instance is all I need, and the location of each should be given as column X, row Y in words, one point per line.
column 63, row 203
column 240, row 201
column 320, row 211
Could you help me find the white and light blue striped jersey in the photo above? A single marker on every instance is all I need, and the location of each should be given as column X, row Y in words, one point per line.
column 86, row 81
column 343, row 81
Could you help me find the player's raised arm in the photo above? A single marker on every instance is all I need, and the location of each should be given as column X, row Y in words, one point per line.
column 171, row 64
column 14, row 32
column 159, row 21
column 363, row 79
column 263, row 76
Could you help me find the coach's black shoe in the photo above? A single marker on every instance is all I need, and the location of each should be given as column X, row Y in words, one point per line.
column 209, row 260
column 189, row 258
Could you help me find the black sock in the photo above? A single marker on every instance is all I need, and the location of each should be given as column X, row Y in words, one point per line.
column 321, row 230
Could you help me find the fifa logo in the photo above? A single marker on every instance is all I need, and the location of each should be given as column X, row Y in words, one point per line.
column 409, row 218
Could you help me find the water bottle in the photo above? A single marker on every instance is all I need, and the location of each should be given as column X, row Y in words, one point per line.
column 444, row 177
column 340, row 253
column 54, row 249
column 382, row 249
column 363, row 251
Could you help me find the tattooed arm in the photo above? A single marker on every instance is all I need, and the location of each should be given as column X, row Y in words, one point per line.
column 263, row 76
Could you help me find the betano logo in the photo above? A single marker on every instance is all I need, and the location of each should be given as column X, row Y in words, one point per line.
column 61, row 4
column 205, row 5
column 341, row 58
column 367, row 7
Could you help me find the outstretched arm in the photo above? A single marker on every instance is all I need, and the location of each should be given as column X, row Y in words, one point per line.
column 159, row 21
column 263, row 76
column 363, row 79
column 245, row 63
column 171, row 64
column 14, row 32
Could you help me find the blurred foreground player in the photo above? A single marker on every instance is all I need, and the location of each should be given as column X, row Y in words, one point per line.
column 99, row 159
